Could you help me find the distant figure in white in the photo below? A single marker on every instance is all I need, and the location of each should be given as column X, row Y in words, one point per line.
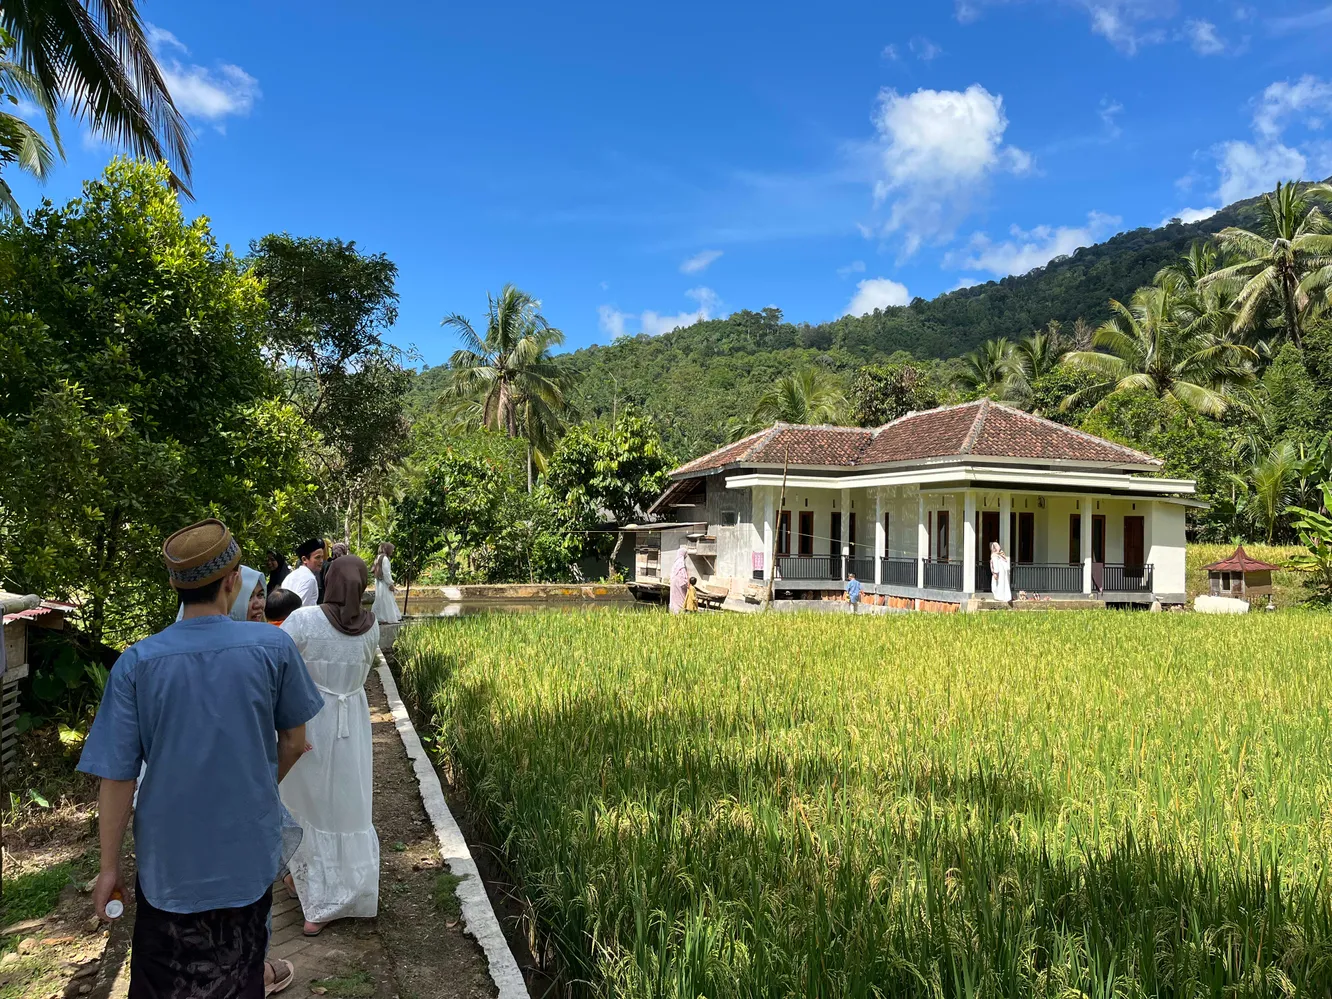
column 386, row 607
column 679, row 581
column 999, row 588
column 335, row 871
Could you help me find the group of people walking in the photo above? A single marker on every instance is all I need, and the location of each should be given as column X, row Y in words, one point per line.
column 244, row 752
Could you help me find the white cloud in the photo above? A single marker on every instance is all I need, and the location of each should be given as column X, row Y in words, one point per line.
column 965, row 11
column 159, row 39
column 890, row 53
column 1204, row 38
column 200, row 92
column 1029, row 248
column 967, row 282
column 1120, row 22
column 936, row 148
column 1247, row 168
column 1308, row 97
column 924, row 49
column 616, row 323
column 212, row 95
column 877, row 293
column 1191, row 215
column 1109, row 111
column 700, row 262
column 855, row 267
column 1318, row 18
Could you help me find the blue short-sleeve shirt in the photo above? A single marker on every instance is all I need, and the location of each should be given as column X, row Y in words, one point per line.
column 201, row 703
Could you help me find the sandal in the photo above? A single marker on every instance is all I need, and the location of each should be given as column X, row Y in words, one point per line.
column 280, row 982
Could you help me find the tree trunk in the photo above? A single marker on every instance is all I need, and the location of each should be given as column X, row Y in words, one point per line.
column 360, row 522
column 407, row 595
column 619, row 540
column 1292, row 324
column 529, row 466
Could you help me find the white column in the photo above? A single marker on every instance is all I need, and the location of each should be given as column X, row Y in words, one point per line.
column 1085, row 545
column 922, row 542
column 769, row 533
column 846, row 528
column 880, row 538
column 969, row 542
column 1005, row 515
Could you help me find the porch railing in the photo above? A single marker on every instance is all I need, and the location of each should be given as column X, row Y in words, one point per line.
column 1051, row 577
column 820, row 568
column 1119, row 578
column 861, row 568
column 900, row 571
column 943, row 575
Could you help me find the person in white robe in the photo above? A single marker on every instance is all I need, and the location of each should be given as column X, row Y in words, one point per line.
column 679, row 581
column 304, row 579
column 999, row 570
column 335, row 871
column 386, row 605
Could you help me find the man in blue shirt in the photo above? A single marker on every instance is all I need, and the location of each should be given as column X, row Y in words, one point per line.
column 852, row 589
column 217, row 708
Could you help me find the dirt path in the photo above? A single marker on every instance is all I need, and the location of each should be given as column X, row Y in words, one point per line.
column 415, row 949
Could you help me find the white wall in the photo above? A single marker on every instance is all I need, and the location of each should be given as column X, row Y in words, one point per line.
column 1165, row 546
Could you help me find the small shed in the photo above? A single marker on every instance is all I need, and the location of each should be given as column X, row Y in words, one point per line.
column 1240, row 576
column 19, row 612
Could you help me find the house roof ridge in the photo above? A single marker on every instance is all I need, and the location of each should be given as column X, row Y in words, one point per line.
column 981, row 412
column 1149, row 459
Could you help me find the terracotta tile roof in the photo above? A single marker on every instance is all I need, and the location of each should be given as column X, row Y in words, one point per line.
column 982, row 429
column 1240, row 561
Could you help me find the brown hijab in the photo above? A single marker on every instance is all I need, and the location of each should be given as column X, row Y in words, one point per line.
column 344, row 582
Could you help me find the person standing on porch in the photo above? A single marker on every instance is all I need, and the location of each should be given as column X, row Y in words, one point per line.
column 679, row 581
column 218, row 707
column 999, row 569
column 335, row 871
column 304, row 579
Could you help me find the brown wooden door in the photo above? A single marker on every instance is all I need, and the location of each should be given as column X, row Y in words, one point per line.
column 1074, row 538
column 784, row 533
column 1134, row 554
column 851, row 536
column 941, row 536
column 835, row 536
column 1026, row 538
column 989, row 533
column 806, row 540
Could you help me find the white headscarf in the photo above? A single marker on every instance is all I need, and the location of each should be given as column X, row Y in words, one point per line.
column 240, row 607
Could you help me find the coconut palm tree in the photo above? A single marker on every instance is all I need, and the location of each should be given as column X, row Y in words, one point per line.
column 1293, row 241
column 19, row 142
column 1151, row 345
column 507, row 380
column 809, row 395
column 1031, row 358
column 93, row 57
column 986, row 368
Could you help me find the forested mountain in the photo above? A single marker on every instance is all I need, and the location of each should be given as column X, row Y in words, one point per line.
column 696, row 378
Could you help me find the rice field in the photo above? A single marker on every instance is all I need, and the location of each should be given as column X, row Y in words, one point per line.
column 1063, row 804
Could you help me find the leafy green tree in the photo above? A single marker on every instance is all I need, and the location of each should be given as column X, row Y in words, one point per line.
column 810, row 395
column 329, row 308
column 509, row 375
column 608, row 469
column 1292, row 243
column 135, row 396
column 93, row 57
column 1314, row 527
column 1149, row 346
column 1032, row 359
column 883, row 392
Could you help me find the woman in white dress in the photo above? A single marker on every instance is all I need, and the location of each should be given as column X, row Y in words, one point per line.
column 386, row 607
column 999, row 587
column 335, row 871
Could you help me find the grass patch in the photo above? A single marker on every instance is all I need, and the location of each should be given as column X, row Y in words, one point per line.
column 353, row 983
column 1040, row 805
column 33, row 895
column 446, row 895
column 36, row 974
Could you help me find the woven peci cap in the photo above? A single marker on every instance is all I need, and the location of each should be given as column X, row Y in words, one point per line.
column 200, row 554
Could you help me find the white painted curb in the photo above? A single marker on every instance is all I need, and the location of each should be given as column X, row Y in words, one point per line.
column 477, row 913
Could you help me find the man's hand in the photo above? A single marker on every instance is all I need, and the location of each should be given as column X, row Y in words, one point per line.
column 108, row 884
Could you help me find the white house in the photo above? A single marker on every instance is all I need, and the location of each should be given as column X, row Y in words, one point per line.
column 911, row 508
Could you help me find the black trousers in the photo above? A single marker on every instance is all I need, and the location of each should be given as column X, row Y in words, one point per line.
column 217, row 954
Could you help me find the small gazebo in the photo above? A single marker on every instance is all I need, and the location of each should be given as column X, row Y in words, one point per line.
column 1240, row 575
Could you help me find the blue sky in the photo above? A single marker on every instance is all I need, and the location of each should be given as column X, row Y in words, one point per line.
column 638, row 165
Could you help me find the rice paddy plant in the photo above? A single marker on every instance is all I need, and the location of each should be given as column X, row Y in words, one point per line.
column 1064, row 804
